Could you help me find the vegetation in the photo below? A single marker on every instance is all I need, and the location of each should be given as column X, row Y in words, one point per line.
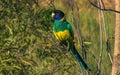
column 28, row 47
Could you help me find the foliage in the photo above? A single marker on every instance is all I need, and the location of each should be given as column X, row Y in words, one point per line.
column 24, row 27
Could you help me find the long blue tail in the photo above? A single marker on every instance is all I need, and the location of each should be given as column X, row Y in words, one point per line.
column 79, row 59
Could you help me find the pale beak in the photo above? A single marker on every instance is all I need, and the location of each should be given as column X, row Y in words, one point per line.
column 53, row 14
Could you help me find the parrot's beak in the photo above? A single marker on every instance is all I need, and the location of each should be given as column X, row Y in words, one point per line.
column 53, row 14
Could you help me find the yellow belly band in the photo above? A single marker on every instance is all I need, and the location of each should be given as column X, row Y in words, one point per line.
column 62, row 35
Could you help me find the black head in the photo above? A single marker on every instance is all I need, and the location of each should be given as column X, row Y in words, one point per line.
column 57, row 14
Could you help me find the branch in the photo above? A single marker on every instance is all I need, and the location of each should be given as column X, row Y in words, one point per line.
column 103, row 9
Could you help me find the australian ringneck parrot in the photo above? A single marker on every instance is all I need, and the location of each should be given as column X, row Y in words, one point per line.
column 64, row 34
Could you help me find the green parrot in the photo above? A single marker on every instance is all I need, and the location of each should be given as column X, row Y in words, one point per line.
column 65, row 35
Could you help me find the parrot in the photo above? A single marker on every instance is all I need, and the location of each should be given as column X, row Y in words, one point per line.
column 63, row 32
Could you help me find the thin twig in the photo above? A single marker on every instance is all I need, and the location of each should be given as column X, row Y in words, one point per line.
column 100, row 25
column 103, row 9
column 105, row 31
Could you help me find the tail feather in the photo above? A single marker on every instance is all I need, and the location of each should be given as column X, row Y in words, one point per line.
column 79, row 59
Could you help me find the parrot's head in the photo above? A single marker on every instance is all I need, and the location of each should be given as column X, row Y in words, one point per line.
column 57, row 14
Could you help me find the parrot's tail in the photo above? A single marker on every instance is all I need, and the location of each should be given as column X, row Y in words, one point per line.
column 79, row 59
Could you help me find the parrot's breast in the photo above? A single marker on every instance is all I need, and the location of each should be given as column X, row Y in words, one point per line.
column 62, row 35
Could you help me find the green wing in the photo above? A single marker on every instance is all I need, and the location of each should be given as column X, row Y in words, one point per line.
column 70, row 30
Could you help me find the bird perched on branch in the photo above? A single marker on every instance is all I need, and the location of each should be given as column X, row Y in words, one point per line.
column 65, row 35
